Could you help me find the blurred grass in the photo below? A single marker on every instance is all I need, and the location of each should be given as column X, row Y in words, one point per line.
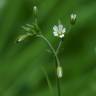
column 20, row 64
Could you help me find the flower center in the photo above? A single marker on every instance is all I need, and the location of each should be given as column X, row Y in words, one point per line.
column 59, row 33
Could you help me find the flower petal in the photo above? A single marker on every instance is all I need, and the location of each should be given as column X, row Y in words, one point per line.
column 64, row 30
column 61, row 36
column 55, row 28
column 55, row 33
column 60, row 27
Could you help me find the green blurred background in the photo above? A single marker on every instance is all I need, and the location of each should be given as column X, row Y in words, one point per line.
column 21, row 71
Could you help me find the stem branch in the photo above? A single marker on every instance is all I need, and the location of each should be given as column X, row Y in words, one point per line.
column 51, row 47
column 58, row 48
column 56, row 57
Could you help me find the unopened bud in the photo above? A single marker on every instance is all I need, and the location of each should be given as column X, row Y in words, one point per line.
column 73, row 18
column 27, row 29
column 23, row 37
column 35, row 10
column 59, row 72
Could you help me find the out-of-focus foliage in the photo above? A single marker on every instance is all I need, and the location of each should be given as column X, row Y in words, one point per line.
column 21, row 64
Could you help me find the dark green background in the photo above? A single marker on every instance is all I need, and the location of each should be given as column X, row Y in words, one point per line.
column 21, row 71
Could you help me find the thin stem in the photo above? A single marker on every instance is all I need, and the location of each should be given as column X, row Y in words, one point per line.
column 58, row 84
column 51, row 47
column 58, row 48
column 58, row 87
column 48, row 80
column 57, row 60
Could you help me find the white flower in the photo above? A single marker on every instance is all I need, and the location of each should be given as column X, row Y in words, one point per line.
column 59, row 31
column 59, row 72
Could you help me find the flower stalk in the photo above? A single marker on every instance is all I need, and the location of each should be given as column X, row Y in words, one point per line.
column 57, row 64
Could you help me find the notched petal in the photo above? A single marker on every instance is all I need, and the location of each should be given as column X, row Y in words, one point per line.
column 61, row 36
column 55, row 28
column 64, row 30
column 60, row 26
column 55, row 33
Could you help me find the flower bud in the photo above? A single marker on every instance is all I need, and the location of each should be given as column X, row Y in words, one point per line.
column 73, row 18
column 35, row 10
column 59, row 72
column 23, row 37
column 27, row 29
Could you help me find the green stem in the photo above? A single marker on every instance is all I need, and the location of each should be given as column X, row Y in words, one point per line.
column 48, row 80
column 58, row 86
column 56, row 57
column 58, row 48
column 51, row 47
